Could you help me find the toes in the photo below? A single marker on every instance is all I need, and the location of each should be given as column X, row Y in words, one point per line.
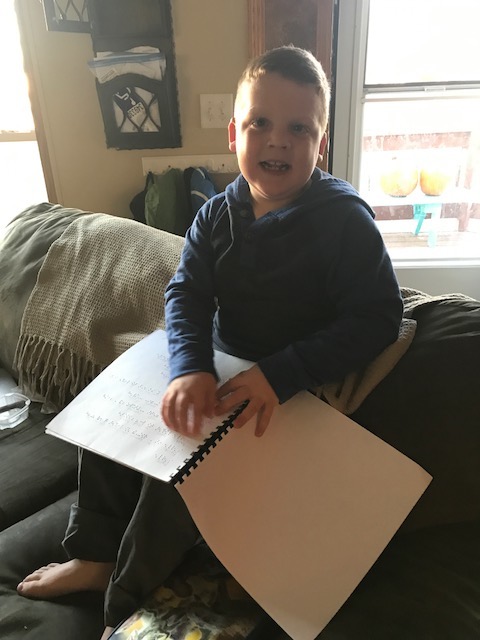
column 37, row 574
column 33, row 577
column 58, row 579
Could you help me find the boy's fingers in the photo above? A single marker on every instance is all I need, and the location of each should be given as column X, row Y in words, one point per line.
column 198, row 413
column 231, row 401
column 241, row 420
column 167, row 412
column 181, row 417
column 225, row 388
column 210, row 403
column 263, row 419
column 250, row 410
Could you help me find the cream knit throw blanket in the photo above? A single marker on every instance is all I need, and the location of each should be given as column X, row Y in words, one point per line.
column 100, row 290
column 346, row 396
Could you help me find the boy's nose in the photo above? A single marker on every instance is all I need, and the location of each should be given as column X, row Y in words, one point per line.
column 278, row 139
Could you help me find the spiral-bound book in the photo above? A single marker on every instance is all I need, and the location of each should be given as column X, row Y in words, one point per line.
column 297, row 516
column 118, row 414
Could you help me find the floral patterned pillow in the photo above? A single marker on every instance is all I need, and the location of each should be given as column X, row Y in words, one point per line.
column 200, row 601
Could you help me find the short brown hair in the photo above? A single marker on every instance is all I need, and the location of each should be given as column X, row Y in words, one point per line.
column 294, row 64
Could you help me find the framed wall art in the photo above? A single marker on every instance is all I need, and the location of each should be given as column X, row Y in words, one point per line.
column 67, row 15
column 134, row 65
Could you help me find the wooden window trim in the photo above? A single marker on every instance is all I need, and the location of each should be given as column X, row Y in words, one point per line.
column 40, row 135
column 260, row 31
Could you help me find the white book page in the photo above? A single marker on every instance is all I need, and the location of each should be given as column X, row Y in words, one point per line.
column 300, row 515
column 118, row 414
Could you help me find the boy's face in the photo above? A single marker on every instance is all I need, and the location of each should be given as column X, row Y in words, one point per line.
column 278, row 137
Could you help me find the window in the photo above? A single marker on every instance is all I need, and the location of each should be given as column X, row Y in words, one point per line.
column 407, row 124
column 21, row 171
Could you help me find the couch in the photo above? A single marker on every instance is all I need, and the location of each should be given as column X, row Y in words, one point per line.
column 424, row 586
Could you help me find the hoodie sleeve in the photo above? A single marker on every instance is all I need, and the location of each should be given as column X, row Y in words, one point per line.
column 364, row 290
column 190, row 302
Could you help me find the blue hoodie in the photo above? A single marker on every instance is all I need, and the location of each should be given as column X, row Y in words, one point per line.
column 308, row 291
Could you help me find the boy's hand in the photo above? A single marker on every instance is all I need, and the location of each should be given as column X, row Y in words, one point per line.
column 186, row 400
column 248, row 385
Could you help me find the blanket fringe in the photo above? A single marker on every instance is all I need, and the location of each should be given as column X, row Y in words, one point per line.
column 51, row 374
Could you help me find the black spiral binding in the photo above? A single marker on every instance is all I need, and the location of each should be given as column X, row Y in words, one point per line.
column 206, row 446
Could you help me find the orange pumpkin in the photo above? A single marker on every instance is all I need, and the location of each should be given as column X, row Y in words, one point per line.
column 399, row 179
column 434, row 181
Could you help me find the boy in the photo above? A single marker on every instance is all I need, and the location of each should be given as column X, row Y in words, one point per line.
column 304, row 284
column 287, row 269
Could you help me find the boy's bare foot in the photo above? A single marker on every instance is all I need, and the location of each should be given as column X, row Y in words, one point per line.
column 69, row 577
column 106, row 633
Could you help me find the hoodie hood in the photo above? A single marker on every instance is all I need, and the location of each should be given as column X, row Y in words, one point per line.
column 324, row 189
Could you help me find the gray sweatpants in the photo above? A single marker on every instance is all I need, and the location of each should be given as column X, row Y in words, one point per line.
column 137, row 522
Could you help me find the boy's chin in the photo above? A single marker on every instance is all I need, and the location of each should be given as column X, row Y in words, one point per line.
column 272, row 200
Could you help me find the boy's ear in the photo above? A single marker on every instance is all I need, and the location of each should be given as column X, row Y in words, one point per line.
column 323, row 145
column 232, row 135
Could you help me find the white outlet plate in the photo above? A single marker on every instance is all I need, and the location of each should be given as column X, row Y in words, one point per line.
column 216, row 109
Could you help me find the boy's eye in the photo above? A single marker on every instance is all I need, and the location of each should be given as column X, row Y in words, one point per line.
column 299, row 128
column 259, row 123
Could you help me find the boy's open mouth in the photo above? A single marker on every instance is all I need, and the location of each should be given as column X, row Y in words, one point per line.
column 274, row 165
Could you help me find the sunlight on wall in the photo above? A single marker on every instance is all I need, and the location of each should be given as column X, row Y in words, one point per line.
column 15, row 112
column 21, row 173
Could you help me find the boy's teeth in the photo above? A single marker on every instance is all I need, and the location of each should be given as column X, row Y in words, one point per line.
column 276, row 166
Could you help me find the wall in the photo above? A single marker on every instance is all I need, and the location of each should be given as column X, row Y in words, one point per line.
column 89, row 176
column 438, row 280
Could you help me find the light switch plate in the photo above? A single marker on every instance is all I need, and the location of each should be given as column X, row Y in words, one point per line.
column 216, row 109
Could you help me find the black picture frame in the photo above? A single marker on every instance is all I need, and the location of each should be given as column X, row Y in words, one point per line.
column 162, row 96
column 67, row 15
column 118, row 26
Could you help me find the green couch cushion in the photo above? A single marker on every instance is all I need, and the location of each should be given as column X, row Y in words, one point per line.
column 425, row 586
column 428, row 408
column 27, row 545
column 36, row 469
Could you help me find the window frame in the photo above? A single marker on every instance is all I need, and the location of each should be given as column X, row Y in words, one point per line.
column 26, row 36
column 432, row 275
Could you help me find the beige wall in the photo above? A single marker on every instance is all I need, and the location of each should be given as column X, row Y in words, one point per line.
column 211, row 44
